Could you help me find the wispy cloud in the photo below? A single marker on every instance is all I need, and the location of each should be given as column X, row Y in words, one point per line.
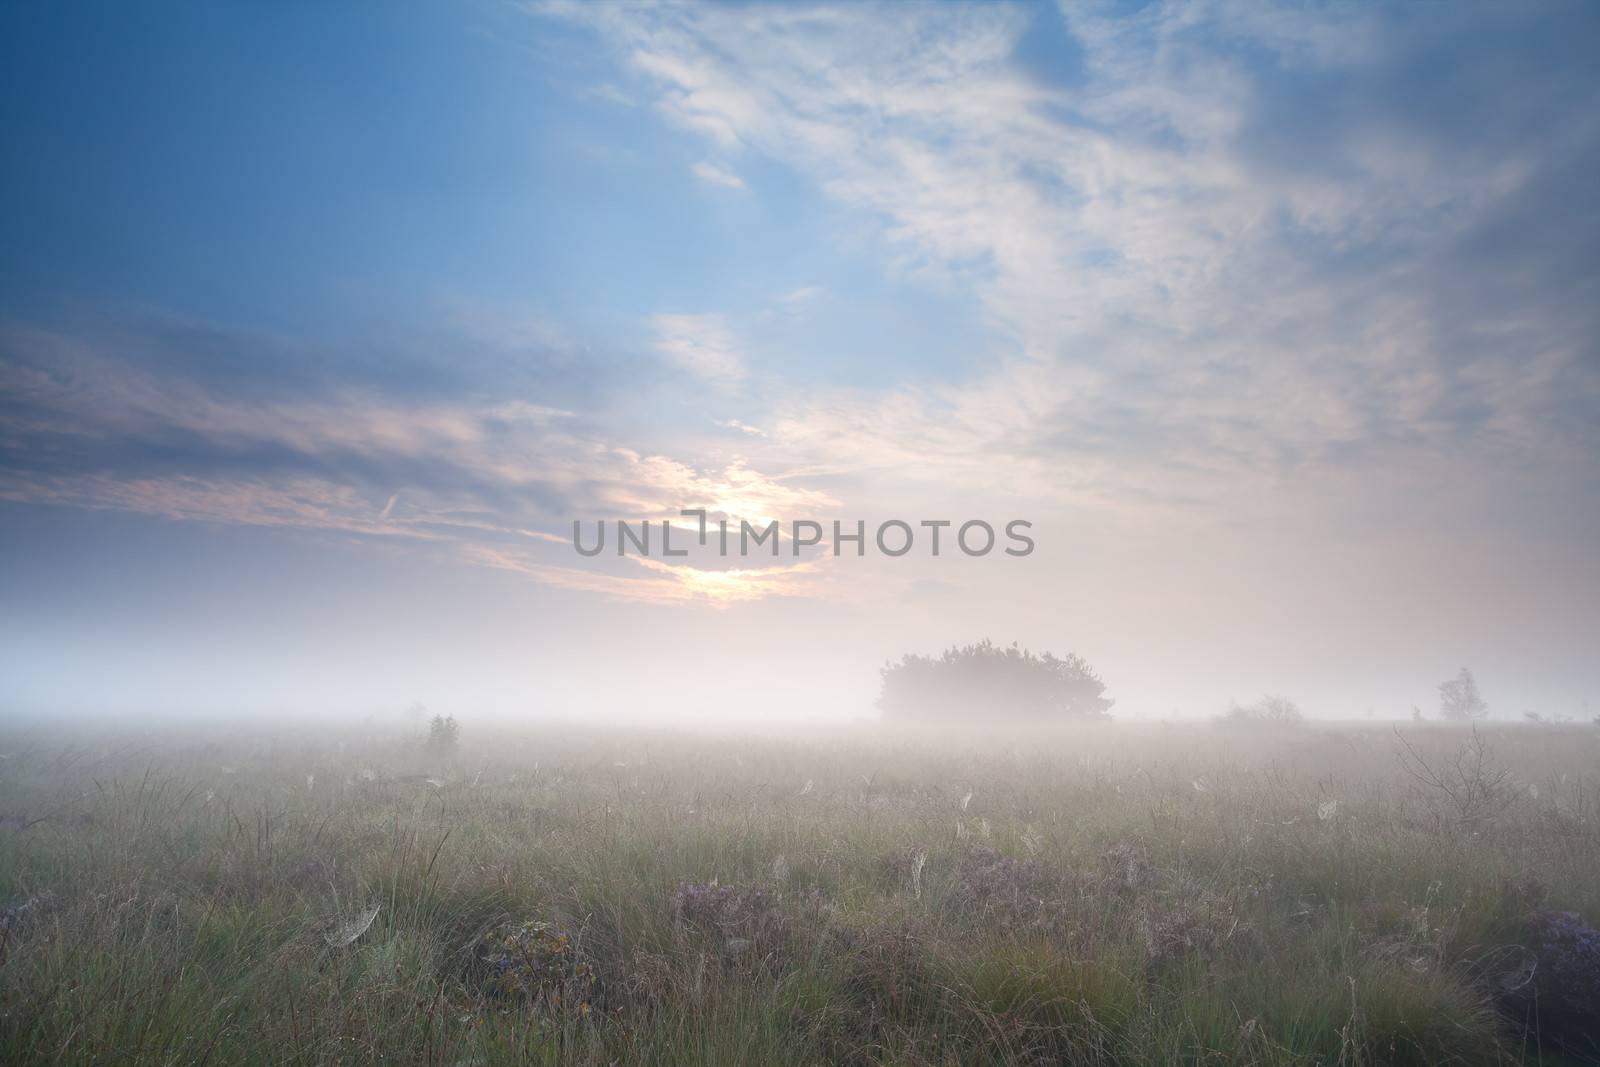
column 742, row 427
column 802, row 295
column 665, row 583
column 702, row 345
column 717, row 174
column 1228, row 251
column 607, row 93
column 1223, row 249
column 127, row 424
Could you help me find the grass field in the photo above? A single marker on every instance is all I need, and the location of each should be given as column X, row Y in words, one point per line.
column 1116, row 894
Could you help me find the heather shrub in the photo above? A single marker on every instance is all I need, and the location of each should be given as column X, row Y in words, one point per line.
column 1005, row 890
column 744, row 920
column 1187, row 927
column 537, row 962
column 1556, row 990
column 1125, row 869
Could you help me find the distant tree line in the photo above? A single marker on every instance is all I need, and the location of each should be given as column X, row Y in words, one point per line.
column 986, row 681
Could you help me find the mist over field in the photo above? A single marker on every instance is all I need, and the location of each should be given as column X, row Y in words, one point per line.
column 1098, row 894
column 745, row 533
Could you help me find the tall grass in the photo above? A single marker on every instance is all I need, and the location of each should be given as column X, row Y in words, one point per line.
column 1114, row 894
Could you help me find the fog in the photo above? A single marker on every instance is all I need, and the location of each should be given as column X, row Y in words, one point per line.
column 775, row 533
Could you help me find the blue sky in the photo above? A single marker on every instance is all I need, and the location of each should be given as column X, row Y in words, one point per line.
column 320, row 324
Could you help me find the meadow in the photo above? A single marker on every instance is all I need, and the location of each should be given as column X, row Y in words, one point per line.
column 1111, row 894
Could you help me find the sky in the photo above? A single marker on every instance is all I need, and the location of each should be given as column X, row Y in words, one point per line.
column 321, row 325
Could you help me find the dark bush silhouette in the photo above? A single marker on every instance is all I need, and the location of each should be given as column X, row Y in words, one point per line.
column 983, row 681
column 1555, row 992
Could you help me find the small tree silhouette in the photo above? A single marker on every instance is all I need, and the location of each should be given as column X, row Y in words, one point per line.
column 443, row 735
column 1459, row 699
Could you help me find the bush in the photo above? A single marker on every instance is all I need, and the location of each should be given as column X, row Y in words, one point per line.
column 1005, row 890
column 1268, row 711
column 745, row 919
column 1556, row 993
column 538, row 962
column 986, row 680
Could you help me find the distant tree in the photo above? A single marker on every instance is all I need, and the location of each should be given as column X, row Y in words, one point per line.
column 984, row 680
column 1268, row 711
column 1459, row 699
column 443, row 735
